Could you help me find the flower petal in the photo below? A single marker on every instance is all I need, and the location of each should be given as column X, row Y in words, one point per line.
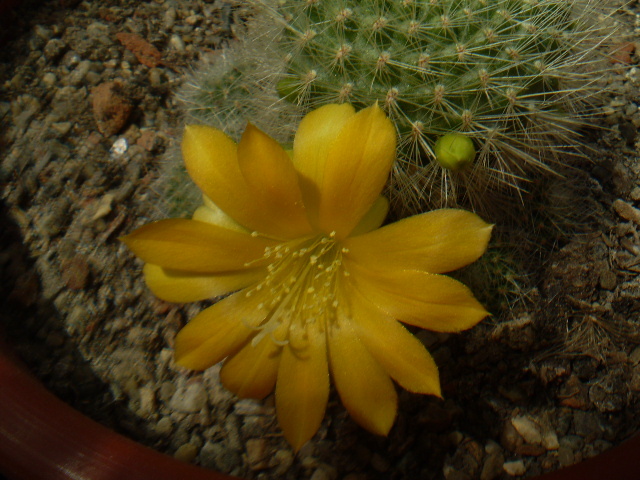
column 218, row 331
column 401, row 354
column 357, row 167
column 209, row 212
column 316, row 133
column 252, row 372
column 436, row 242
column 374, row 217
column 182, row 287
column 430, row 301
column 211, row 159
column 302, row 388
column 190, row 245
column 365, row 389
column 269, row 173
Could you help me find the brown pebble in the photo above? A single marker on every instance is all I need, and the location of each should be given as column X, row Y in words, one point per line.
column 147, row 140
column 111, row 107
column 623, row 53
column 608, row 280
column 626, row 211
column 529, row 450
column 75, row 272
column 574, row 394
column 186, row 453
column 257, row 450
column 146, row 53
column 510, row 439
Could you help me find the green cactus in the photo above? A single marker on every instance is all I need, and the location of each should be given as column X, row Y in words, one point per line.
column 512, row 76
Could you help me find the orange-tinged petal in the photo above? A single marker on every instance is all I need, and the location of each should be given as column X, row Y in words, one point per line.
column 194, row 246
column 437, row 242
column 182, row 287
column 430, row 301
column 218, row 331
column 401, row 354
column 365, row 389
column 209, row 212
column 211, row 158
column 302, row 388
column 374, row 217
column 316, row 133
column 357, row 167
column 252, row 372
column 269, row 173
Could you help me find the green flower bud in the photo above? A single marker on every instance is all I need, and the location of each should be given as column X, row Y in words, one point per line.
column 454, row 151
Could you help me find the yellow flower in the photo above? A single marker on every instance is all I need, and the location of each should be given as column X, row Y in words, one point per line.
column 318, row 284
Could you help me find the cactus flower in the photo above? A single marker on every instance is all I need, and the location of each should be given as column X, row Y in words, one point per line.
column 318, row 284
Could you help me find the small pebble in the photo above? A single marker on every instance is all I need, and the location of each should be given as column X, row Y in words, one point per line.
column 550, row 441
column 186, row 453
column 190, row 399
column 75, row 272
column 257, row 453
column 164, row 426
column 515, row 468
column 49, row 79
column 626, row 211
column 282, row 461
column 177, row 43
column 324, row 472
column 528, row 429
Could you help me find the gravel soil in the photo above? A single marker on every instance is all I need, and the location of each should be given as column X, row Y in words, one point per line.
column 87, row 116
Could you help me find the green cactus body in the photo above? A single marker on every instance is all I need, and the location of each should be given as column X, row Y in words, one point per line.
column 510, row 75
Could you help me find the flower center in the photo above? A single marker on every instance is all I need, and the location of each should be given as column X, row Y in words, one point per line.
column 299, row 289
